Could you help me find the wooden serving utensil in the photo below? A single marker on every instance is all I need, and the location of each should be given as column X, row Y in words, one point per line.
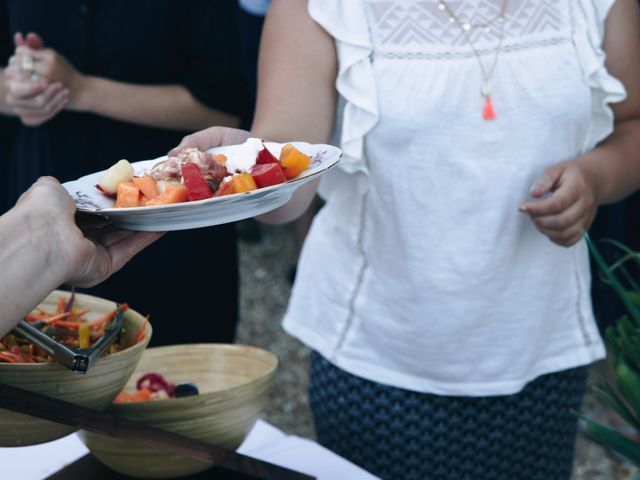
column 41, row 406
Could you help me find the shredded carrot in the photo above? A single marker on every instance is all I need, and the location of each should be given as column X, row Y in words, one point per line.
column 142, row 331
column 56, row 318
column 66, row 324
column 106, row 318
column 74, row 331
column 61, row 304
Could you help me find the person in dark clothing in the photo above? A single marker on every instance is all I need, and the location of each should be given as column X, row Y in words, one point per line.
column 129, row 78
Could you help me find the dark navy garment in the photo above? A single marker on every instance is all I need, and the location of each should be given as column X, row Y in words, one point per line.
column 399, row 434
column 188, row 280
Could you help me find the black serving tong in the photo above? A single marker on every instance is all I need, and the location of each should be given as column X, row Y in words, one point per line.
column 78, row 360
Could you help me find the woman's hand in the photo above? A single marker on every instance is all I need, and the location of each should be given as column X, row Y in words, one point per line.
column 88, row 251
column 567, row 204
column 212, row 137
column 48, row 65
column 34, row 101
column 29, row 95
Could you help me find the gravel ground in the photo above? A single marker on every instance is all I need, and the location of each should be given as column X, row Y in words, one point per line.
column 264, row 270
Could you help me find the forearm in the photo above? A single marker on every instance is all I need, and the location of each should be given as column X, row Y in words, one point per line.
column 161, row 106
column 28, row 267
column 296, row 93
column 615, row 163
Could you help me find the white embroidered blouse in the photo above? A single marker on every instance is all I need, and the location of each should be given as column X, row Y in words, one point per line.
column 420, row 272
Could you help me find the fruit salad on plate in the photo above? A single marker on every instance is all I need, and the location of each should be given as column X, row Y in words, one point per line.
column 194, row 175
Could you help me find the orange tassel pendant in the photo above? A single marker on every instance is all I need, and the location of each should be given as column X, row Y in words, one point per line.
column 488, row 113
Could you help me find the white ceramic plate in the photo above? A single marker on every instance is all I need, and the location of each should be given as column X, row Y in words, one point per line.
column 201, row 213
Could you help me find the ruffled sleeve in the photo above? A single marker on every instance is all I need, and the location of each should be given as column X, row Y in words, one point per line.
column 346, row 22
column 589, row 22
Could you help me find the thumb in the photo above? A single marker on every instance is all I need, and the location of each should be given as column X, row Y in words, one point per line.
column 34, row 41
column 546, row 182
column 19, row 40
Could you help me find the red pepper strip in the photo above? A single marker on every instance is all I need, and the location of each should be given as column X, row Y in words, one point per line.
column 197, row 186
column 11, row 357
column 31, row 317
column 55, row 318
column 65, row 324
column 109, row 316
column 142, row 331
column 61, row 305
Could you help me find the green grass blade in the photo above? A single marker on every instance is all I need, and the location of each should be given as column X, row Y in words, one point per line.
column 609, row 396
column 629, row 252
column 628, row 382
column 634, row 312
column 614, row 440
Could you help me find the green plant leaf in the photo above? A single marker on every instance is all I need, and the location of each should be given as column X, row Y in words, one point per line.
column 614, row 440
column 628, row 382
column 635, row 298
column 633, row 311
column 609, row 396
column 613, row 344
column 629, row 252
column 629, row 342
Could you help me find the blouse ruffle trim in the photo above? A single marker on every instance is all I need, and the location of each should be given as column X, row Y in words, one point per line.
column 589, row 22
column 346, row 22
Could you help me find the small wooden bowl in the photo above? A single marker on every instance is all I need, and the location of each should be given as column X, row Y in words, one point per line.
column 233, row 381
column 95, row 390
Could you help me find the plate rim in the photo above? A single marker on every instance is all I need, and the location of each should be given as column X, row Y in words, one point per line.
column 213, row 200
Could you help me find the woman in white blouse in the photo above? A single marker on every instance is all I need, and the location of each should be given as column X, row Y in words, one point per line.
column 444, row 287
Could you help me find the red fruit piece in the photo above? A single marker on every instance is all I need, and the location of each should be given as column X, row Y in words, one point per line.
column 197, row 186
column 265, row 156
column 267, row 174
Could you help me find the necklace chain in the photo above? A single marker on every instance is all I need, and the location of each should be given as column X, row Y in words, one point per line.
column 466, row 27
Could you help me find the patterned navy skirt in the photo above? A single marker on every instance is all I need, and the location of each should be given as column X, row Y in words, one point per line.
column 398, row 434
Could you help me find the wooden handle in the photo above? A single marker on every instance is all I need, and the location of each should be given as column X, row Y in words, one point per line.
column 34, row 404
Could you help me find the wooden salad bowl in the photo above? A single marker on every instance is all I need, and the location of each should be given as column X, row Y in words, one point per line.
column 233, row 383
column 95, row 389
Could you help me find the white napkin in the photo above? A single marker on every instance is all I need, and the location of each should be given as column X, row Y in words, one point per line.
column 268, row 443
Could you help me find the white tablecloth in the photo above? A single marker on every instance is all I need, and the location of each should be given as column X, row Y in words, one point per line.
column 264, row 442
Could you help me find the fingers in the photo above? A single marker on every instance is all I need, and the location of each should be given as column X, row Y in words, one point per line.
column 110, row 235
column 41, row 108
column 86, row 221
column 41, row 60
column 34, row 41
column 47, row 193
column 41, row 102
column 211, row 137
column 565, row 214
column 202, row 140
column 561, row 221
column 557, row 202
column 566, row 238
column 128, row 246
column 19, row 40
column 566, row 228
column 546, row 182
column 19, row 84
